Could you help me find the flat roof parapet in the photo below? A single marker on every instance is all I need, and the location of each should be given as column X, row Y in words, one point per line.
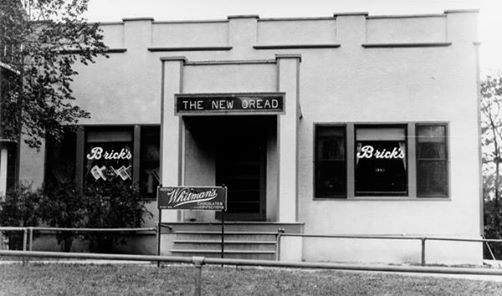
column 461, row 11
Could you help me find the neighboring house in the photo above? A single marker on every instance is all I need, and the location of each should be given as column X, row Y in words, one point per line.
column 350, row 124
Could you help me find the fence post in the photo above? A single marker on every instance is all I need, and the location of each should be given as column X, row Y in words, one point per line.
column 25, row 240
column 198, row 261
column 423, row 250
column 30, row 240
column 280, row 231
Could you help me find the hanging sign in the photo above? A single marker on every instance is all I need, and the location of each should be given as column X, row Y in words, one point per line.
column 192, row 198
column 229, row 103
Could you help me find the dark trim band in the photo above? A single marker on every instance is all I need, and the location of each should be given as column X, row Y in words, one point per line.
column 405, row 45
column 190, row 48
column 296, row 46
column 376, row 17
column 230, row 62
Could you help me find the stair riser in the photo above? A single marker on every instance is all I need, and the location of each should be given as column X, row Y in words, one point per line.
column 246, row 237
column 199, row 246
column 238, row 227
column 229, row 256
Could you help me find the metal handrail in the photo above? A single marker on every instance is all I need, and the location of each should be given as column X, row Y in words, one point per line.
column 395, row 237
column 198, row 262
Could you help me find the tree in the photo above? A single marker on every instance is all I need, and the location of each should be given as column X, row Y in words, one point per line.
column 491, row 139
column 43, row 40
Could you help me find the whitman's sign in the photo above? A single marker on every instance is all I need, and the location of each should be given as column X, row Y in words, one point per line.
column 192, row 198
column 229, row 103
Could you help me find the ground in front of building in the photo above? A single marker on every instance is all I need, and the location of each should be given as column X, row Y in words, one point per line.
column 64, row 279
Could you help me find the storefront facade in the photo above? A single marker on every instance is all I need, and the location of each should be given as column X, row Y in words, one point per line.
column 351, row 124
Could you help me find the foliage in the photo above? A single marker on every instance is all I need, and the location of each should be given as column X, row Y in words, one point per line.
column 42, row 41
column 19, row 208
column 62, row 205
column 491, row 139
column 116, row 205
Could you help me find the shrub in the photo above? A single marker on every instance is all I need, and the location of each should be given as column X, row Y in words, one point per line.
column 63, row 206
column 116, row 205
column 21, row 207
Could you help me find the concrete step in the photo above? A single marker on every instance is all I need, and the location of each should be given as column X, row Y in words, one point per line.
column 236, row 226
column 242, row 254
column 229, row 235
column 229, row 245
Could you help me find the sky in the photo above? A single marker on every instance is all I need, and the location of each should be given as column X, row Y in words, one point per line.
column 490, row 16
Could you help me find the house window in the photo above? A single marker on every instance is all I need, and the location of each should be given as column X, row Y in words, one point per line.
column 381, row 160
column 100, row 155
column 381, row 166
column 432, row 161
column 330, row 162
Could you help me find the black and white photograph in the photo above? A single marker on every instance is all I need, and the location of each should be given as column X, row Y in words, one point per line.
column 196, row 147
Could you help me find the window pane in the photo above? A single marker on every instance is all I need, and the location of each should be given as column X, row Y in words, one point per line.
column 432, row 173
column 431, row 150
column 381, row 164
column 149, row 161
column 109, row 161
column 330, row 143
column 330, row 179
column 60, row 159
column 330, row 164
column 432, row 178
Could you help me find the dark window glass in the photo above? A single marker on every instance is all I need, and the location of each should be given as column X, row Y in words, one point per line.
column 381, row 161
column 330, row 162
column 108, row 156
column 149, row 161
column 60, row 159
column 11, row 165
column 432, row 174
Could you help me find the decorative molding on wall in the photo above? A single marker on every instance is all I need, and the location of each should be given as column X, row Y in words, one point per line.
column 296, row 46
column 190, row 48
column 404, row 45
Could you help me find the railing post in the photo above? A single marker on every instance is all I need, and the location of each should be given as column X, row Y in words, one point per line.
column 423, row 250
column 280, row 231
column 30, row 240
column 198, row 262
column 25, row 239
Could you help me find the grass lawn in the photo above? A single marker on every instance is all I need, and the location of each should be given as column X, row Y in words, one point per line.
column 67, row 279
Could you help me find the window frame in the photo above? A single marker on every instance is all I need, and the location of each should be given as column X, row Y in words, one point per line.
column 336, row 196
column 82, row 133
column 447, row 158
column 411, row 154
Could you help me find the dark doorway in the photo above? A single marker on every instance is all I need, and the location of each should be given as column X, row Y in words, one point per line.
column 239, row 147
column 240, row 165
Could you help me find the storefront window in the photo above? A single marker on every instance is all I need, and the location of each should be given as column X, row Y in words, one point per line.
column 109, row 156
column 381, row 164
column 432, row 180
column 330, row 164
column 149, row 161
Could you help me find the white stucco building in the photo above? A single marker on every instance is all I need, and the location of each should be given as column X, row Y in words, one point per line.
column 348, row 124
